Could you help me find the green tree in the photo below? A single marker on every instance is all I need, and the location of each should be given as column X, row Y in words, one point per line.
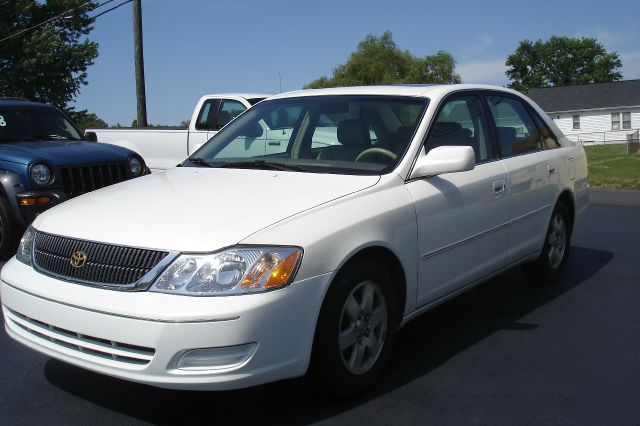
column 378, row 60
column 87, row 120
column 561, row 61
column 47, row 63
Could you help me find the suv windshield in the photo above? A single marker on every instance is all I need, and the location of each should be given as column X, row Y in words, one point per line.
column 20, row 123
column 352, row 134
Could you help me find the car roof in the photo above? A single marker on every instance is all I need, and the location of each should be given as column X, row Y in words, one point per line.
column 417, row 90
column 22, row 102
column 239, row 95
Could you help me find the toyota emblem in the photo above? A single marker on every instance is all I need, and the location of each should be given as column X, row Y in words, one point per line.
column 78, row 259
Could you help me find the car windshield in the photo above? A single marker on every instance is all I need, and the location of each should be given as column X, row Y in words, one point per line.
column 352, row 134
column 30, row 123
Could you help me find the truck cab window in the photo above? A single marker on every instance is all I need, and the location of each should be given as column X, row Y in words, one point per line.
column 229, row 110
column 207, row 115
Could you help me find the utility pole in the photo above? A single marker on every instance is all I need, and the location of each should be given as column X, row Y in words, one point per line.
column 139, row 64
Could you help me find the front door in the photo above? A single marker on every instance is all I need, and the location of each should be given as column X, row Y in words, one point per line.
column 462, row 217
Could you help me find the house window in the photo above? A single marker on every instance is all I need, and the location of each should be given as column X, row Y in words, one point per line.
column 626, row 120
column 615, row 121
column 576, row 122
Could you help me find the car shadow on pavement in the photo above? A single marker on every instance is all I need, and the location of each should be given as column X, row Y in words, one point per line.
column 422, row 346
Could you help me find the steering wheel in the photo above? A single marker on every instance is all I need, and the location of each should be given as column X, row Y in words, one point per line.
column 376, row 151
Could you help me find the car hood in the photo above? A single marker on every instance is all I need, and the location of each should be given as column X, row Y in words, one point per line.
column 59, row 153
column 194, row 209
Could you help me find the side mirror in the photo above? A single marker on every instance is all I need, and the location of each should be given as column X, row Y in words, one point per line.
column 444, row 159
column 91, row 136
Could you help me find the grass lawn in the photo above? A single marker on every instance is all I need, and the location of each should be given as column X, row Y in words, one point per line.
column 611, row 167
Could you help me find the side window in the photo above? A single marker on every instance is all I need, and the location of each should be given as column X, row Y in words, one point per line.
column 462, row 122
column 207, row 115
column 228, row 111
column 517, row 133
column 549, row 140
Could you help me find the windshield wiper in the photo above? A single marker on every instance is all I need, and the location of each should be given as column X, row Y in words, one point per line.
column 200, row 162
column 261, row 164
column 53, row 136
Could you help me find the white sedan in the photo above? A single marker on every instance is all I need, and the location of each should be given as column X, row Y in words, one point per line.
column 261, row 259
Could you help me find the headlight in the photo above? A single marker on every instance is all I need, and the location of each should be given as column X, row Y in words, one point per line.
column 235, row 271
column 26, row 246
column 40, row 174
column 135, row 166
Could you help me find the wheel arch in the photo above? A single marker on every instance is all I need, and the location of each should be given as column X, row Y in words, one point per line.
column 566, row 198
column 10, row 185
column 391, row 263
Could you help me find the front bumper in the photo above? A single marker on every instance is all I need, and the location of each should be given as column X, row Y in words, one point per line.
column 155, row 329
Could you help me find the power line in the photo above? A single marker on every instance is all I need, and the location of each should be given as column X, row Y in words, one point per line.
column 65, row 15
column 109, row 10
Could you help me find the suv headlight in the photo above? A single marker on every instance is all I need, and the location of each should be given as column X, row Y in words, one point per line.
column 40, row 174
column 237, row 270
column 25, row 249
column 135, row 166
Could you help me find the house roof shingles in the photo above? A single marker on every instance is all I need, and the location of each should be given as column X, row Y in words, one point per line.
column 587, row 96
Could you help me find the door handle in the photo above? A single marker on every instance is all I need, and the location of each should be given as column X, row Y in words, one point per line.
column 551, row 169
column 499, row 186
column 274, row 143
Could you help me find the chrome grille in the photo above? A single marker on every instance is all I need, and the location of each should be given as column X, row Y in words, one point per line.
column 81, row 179
column 106, row 264
column 103, row 348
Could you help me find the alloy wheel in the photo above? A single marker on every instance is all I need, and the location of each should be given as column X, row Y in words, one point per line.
column 363, row 327
column 557, row 240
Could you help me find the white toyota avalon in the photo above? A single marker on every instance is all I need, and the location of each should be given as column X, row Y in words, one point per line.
column 299, row 238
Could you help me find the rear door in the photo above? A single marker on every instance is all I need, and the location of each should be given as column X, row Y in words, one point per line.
column 533, row 174
column 462, row 217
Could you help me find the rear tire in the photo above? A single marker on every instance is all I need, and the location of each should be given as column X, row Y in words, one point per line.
column 9, row 231
column 356, row 330
column 549, row 265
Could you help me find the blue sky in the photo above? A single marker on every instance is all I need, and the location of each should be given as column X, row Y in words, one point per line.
column 195, row 47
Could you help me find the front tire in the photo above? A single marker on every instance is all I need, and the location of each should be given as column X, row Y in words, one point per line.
column 549, row 265
column 356, row 330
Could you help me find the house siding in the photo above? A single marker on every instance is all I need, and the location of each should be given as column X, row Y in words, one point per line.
column 595, row 126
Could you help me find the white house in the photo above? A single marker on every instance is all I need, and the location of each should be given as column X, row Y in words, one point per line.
column 593, row 113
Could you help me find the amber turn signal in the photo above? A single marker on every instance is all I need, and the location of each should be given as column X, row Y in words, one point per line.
column 283, row 272
column 30, row 201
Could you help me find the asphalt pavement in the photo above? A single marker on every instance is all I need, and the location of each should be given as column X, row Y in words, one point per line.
column 504, row 353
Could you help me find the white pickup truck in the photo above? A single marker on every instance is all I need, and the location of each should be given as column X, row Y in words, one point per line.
column 164, row 147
